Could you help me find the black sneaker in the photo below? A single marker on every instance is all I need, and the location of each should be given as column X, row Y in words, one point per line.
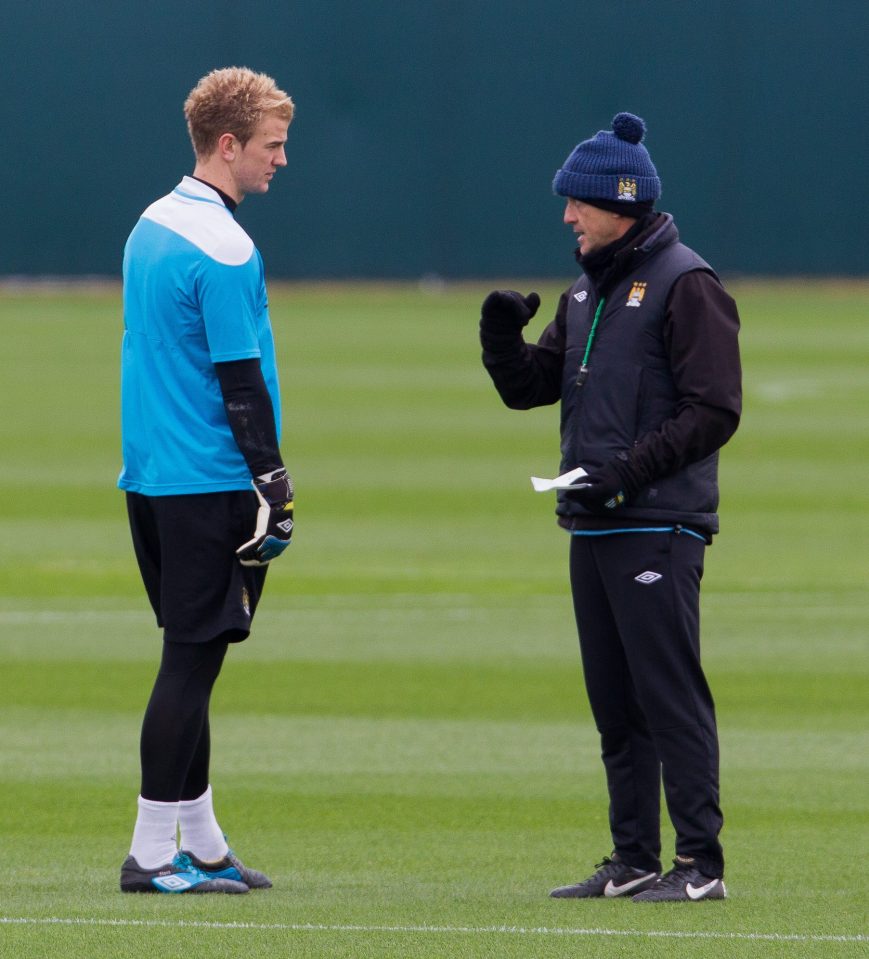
column 613, row 878
column 178, row 876
column 231, row 867
column 683, row 883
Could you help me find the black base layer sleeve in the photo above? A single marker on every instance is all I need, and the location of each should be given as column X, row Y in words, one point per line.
column 250, row 413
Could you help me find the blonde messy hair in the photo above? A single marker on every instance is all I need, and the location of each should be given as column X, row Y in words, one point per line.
column 232, row 100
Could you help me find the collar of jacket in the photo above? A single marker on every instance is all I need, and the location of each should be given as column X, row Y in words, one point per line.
column 606, row 266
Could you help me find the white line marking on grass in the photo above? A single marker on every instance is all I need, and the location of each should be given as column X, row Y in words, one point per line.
column 503, row 930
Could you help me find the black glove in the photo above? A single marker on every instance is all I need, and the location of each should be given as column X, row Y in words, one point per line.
column 274, row 520
column 604, row 489
column 506, row 311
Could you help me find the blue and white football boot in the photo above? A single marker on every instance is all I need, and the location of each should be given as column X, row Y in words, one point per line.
column 178, row 876
column 231, row 867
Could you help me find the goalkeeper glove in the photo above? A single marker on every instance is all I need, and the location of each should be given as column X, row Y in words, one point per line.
column 274, row 519
column 506, row 311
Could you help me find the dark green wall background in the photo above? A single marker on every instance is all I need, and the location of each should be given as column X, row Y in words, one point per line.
column 427, row 134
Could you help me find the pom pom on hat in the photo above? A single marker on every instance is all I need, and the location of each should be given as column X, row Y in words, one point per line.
column 628, row 127
column 613, row 166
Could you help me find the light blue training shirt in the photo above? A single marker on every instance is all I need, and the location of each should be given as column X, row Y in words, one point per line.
column 194, row 295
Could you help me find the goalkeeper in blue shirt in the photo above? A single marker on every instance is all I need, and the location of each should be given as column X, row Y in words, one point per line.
column 209, row 500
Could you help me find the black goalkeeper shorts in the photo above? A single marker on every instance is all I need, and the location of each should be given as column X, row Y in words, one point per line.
column 185, row 547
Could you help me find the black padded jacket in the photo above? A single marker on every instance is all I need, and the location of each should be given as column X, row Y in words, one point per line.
column 662, row 392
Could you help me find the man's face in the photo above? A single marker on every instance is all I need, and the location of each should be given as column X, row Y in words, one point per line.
column 594, row 228
column 256, row 162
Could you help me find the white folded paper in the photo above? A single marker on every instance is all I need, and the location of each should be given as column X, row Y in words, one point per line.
column 565, row 481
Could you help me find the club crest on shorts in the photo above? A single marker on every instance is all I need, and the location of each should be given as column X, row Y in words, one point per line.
column 648, row 577
column 245, row 600
column 635, row 297
column 627, row 189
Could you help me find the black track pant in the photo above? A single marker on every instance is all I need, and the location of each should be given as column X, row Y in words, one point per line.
column 175, row 745
column 640, row 644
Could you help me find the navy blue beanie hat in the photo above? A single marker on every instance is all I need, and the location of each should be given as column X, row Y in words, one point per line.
column 612, row 170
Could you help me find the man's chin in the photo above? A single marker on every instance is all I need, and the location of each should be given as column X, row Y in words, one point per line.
column 259, row 188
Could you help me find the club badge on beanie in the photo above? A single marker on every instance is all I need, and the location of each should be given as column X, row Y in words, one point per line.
column 613, row 167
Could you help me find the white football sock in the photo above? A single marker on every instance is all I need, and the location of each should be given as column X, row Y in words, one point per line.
column 200, row 832
column 155, row 835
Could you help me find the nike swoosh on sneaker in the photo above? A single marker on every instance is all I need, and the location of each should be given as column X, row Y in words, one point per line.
column 698, row 892
column 611, row 890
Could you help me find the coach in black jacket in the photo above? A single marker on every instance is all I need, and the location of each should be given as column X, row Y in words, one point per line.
column 643, row 356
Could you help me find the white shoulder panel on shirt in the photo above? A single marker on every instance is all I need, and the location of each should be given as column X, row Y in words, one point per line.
column 196, row 213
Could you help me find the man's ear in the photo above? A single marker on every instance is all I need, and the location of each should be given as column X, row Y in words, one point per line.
column 227, row 146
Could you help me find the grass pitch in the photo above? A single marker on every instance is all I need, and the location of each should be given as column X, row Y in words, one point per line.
column 404, row 743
